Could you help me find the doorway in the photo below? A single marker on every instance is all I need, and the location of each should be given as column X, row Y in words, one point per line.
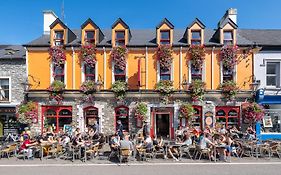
column 162, row 125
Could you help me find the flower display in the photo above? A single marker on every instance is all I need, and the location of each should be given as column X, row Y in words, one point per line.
column 166, row 88
column 119, row 57
column 164, row 56
column 197, row 90
column 252, row 112
column 87, row 55
column 27, row 113
column 228, row 56
column 88, row 86
column 56, row 89
column 141, row 110
column 229, row 89
column 119, row 88
column 197, row 56
column 186, row 111
column 57, row 55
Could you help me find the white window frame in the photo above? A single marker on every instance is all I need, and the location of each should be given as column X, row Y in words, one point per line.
column 203, row 72
column 278, row 77
column 113, row 75
column 10, row 89
column 158, row 71
column 234, row 73
column 52, row 73
column 54, row 35
column 83, row 72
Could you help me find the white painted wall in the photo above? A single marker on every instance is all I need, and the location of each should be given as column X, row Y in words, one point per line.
column 49, row 18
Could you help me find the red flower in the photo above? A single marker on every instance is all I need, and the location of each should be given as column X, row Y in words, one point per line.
column 164, row 55
column 119, row 56
column 88, row 55
column 228, row 56
column 57, row 55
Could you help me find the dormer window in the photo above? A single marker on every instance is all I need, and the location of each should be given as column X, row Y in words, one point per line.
column 89, row 37
column 196, row 37
column 120, row 38
column 58, row 38
column 164, row 37
column 227, row 37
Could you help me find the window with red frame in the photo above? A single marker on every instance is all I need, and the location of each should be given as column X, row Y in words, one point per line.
column 59, row 73
column 196, row 74
column 120, row 38
column 165, row 74
column 196, row 37
column 90, row 37
column 227, row 37
column 58, row 38
column 227, row 74
column 90, row 72
column 164, row 37
column 196, row 120
column 122, row 114
column 119, row 74
column 228, row 116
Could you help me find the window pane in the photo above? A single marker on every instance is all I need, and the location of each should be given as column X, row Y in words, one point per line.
column 196, row 35
column 4, row 89
column 165, row 42
column 59, row 70
column 90, row 34
column 195, row 42
column 165, row 71
column 59, row 35
column 118, row 71
column 64, row 121
column 165, row 35
column 165, row 77
column 227, row 35
column 271, row 68
column 89, row 69
column 120, row 35
column 271, row 81
column 51, row 121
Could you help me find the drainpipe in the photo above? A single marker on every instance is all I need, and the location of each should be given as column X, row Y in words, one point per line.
column 146, row 68
column 180, row 68
column 104, row 68
column 212, row 68
column 73, row 68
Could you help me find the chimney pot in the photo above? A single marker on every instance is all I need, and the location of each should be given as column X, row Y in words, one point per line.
column 49, row 18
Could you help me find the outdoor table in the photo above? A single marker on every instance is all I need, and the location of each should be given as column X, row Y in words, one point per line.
column 215, row 147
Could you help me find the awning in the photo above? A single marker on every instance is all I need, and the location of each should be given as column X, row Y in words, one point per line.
column 270, row 99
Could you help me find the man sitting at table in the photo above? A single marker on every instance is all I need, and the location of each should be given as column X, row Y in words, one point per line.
column 25, row 146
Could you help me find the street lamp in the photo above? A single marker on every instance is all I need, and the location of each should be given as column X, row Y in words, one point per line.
column 185, row 85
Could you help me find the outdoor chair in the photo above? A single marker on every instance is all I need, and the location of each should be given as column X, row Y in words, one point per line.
column 124, row 155
column 11, row 149
column 92, row 152
column 185, row 150
column 159, row 151
column 202, row 152
column 55, row 151
column 275, row 148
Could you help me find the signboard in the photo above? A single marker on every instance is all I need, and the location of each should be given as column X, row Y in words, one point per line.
column 267, row 122
column 209, row 121
column 10, row 124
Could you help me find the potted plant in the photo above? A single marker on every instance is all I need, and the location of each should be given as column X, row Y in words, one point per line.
column 119, row 57
column 27, row 113
column 228, row 56
column 164, row 56
column 229, row 89
column 56, row 89
column 166, row 88
column 186, row 111
column 252, row 112
column 57, row 55
column 141, row 111
column 197, row 56
column 119, row 88
column 197, row 90
column 87, row 55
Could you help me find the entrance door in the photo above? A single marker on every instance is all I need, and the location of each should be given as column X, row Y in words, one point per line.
column 162, row 125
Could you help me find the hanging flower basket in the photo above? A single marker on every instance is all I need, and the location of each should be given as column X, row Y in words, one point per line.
column 252, row 112
column 119, row 88
column 87, row 55
column 27, row 113
column 119, row 57
column 228, row 56
column 57, row 55
column 56, row 90
column 166, row 88
column 141, row 111
column 229, row 90
column 197, row 90
column 197, row 56
column 186, row 111
column 165, row 56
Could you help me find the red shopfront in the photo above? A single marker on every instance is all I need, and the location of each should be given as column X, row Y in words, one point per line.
column 57, row 117
column 228, row 116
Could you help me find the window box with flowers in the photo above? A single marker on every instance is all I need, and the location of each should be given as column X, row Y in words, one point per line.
column 165, row 56
column 186, row 111
column 119, row 57
column 197, row 56
column 119, row 89
column 56, row 90
column 88, row 88
column 87, row 55
column 57, row 55
column 166, row 88
column 252, row 112
column 27, row 113
column 197, row 90
column 229, row 90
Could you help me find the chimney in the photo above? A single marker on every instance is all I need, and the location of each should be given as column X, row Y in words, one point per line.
column 232, row 14
column 49, row 18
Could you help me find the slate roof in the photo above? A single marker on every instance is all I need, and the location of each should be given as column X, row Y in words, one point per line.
column 12, row 51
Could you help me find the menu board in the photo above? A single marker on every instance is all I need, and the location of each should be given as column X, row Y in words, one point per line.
column 10, row 124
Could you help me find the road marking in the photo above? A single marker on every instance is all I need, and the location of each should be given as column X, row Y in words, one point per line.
column 137, row 164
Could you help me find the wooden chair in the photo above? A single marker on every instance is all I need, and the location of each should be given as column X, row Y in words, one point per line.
column 11, row 149
column 124, row 154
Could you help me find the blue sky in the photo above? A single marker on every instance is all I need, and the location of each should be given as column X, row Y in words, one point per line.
column 22, row 20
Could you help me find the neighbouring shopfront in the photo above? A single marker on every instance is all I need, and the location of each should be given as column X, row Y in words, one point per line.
column 8, row 121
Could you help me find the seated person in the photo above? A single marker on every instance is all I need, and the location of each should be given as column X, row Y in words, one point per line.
column 187, row 138
column 158, row 143
column 78, row 141
column 25, row 146
column 114, row 142
column 65, row 140
column 42, row 139
column 250, row 132
column 126, row 144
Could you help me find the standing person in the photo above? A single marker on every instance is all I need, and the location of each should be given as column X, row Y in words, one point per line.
column 96, row 129
column 119, row 129
column 146, row 129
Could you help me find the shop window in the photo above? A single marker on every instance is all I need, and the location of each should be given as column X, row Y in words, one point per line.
column 122, row 114
column 119, row 74
column 89, row 37
column 4, row 89
column 227, row 37
column 196, row 37
column 273, row 74
column 165, row 74
column 90, row 72
column 164, row 37
column 91, row 115
column 271, row 121
column 58, row 38
column 196, row 119
column 120, row 38
column 228, row 116
column 196, row 74
column 227, row 74
column 59, row 73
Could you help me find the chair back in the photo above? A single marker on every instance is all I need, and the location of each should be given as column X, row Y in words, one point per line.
column 125, row 152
